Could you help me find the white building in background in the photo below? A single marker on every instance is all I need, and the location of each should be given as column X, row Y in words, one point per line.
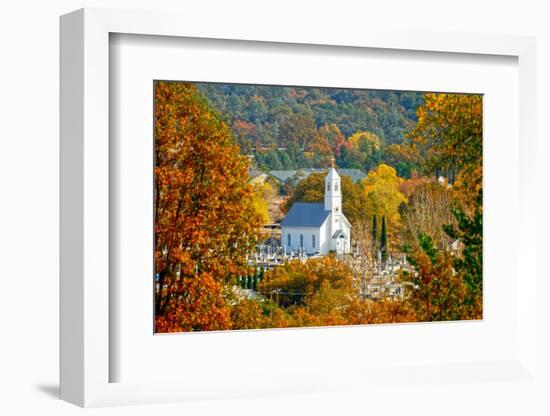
column 318, row 228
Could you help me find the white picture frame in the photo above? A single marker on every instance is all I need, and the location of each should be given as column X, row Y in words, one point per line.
column 85, row 354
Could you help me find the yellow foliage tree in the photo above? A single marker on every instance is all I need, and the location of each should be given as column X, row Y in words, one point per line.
column 303, row 280
column 384, row 197
column 365, row 140
column 365, row 148
column 259, row 202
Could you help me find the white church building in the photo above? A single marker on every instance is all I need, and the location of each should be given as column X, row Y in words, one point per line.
column 318, row 228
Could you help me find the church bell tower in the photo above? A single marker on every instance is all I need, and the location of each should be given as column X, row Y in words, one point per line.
column 333, row 192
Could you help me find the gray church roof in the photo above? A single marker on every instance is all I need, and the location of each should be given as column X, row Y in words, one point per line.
column 306, row 214
column 355, row 174
column 283, row 175
column 339, row 233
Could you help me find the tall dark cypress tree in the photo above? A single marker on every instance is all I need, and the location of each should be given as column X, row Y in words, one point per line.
column 384, row 240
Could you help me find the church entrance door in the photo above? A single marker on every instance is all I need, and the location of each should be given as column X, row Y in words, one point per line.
column 340, row 245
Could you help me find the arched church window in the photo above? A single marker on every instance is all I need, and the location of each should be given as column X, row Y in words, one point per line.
column 328, row 186
column 288, row 238
column 336, row 186
column 301, row 240
column 313, row 240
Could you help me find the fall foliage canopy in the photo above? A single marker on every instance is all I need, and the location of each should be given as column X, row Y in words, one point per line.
column 422, row 157
column 206, row 218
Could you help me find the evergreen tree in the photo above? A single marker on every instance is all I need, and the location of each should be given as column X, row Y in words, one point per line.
column 384, row 240
column 469, row 231
column 285, row 160
column 374, row 228
column 272, row 160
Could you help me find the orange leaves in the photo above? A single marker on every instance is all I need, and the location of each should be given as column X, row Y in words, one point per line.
column 379, row 312
column 329, row 298
column 205, row 218
column 307, row 278
column 449, row 136
column 468, row 184
column 243, row 128
column 441, row 293
column 247, row 314
column 198, row 305
column 334, row 137
column 319, row 151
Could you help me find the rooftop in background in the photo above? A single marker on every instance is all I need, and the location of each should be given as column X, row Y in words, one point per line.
column 306, row 214
column 283, row 175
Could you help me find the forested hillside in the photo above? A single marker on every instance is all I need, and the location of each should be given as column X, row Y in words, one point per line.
column 297, row 127
column 416, row 246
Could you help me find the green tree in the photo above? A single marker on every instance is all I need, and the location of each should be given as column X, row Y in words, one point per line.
column 272, row 161
column 366, row 148
column 348, row 159
column 469, row 232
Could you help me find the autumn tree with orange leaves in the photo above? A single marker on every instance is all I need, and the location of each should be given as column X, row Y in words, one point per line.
column 449, row 138
column 441, row 291
column 208, row 215
column 205, row 217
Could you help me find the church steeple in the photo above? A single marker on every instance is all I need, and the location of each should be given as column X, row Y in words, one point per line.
column 333, row 192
